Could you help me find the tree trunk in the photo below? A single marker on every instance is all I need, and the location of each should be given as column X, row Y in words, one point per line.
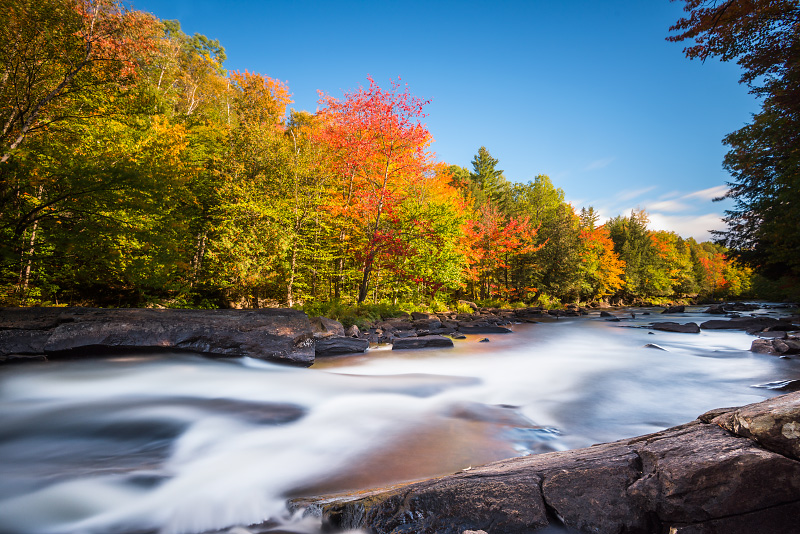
column 289, row 297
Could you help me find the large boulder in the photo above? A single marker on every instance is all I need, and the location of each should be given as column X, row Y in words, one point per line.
column 278, row 335
column 698, row 478
column 686, row 328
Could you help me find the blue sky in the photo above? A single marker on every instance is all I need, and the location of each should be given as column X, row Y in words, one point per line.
column 585, row 91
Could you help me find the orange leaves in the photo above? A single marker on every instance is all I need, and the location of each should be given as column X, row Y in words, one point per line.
column 261, row 99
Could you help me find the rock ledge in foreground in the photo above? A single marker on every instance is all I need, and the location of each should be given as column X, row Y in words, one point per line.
column 278, row 335
column 734, row 470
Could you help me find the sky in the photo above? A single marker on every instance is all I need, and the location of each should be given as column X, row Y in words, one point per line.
column 587, row 92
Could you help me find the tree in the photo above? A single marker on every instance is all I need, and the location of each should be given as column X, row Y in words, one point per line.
column 56, row 50
column 763, row 36
column 380, row 148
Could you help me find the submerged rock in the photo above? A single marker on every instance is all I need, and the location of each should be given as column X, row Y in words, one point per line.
column 708, row 476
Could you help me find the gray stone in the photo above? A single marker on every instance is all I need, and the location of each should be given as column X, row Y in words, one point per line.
column 483, row 329
column 324, row 327
column 697, row 478
column 687, row 328
column 279, row 335
column 336, row 345
column 422, row 342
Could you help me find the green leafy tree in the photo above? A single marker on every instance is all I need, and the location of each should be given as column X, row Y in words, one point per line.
column 764, row 160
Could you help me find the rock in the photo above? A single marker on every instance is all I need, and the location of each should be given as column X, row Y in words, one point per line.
column 606, row 314
column 715, row 309
column 697, row 478
column 278, row 335
column 336, row 345
column 468, row 303
column 654, row 346
column 457, row 335
column 422, row 342
column 352, row 331
column 614, row 320
column 774, row 423
column 776, row 346
column 484, row 340
column 775, row 334
column 739, row 323
column 674, row 309
column 781, row 385
column 483, row 329
column 416, row 316
column 687, row 328
column 324, row 327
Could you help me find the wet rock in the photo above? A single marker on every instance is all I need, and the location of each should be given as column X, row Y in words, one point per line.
column 776, row 346
column 694, row 478
column 336, row 345
column 716, row 309
column 417, row 316
column 740, row 323
column 674, row 309
column 686, row 328
column 457, row 335
column 422, row 342
column 781, row 385
column 654, row 346
column 484, row 340
column 278, row 335
column 483, row 329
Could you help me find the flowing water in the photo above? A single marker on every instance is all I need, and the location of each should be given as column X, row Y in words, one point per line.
column 183, row 444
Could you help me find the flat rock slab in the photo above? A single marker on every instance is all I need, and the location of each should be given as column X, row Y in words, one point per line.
column 668, row 326
column 422, row 342
column 336, row 345
column 278, row 335
column 697, row 478
column 483, row 329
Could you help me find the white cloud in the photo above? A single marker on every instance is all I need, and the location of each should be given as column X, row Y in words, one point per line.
column 708, row 194
column 633, row 193
column 672, row 206
column 696, row 226
column 599, row 164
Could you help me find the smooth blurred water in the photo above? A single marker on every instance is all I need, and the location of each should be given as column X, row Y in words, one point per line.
column 184, row 444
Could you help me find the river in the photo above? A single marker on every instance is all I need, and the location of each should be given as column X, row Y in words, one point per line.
column 184, row 444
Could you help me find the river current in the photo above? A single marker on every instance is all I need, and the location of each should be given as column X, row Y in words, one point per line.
column 183, row 444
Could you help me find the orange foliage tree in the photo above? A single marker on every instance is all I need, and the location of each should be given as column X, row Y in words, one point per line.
column 379, row 150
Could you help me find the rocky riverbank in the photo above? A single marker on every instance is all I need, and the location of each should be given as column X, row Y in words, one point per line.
column 288, row 336
column 733, row 471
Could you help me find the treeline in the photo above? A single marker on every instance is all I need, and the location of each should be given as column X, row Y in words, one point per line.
column 136, row 170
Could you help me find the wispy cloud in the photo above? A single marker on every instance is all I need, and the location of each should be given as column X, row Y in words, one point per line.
column 671, row 206
column 599, row 164
column 633, row 193
column 708, row 194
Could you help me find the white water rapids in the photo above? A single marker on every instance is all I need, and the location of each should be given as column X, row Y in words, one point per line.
column 183, row 444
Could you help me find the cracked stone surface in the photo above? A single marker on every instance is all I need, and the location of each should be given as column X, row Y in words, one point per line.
column 734, row 470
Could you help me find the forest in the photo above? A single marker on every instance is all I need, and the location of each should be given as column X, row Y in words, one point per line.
column 137, row 171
